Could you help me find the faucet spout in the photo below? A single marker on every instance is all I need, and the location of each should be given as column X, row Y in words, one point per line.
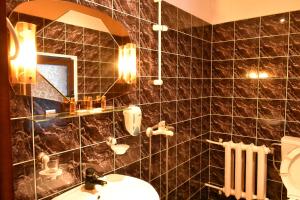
column 92, row 179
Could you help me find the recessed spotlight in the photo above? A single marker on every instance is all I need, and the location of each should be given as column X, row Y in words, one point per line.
column 282, row 20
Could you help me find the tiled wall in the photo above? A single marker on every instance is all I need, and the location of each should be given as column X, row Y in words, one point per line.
column 255, row 110
column 183, row 101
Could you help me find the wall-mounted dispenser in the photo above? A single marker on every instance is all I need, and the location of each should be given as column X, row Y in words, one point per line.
column 133, row 120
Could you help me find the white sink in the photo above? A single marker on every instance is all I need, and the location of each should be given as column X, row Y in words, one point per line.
column 118, row 187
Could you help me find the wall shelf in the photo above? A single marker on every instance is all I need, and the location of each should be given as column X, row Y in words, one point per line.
column 79, row 113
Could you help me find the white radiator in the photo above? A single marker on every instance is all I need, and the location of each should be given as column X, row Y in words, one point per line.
column 245, row 167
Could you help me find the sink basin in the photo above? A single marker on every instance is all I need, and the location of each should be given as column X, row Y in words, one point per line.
column 118, row 187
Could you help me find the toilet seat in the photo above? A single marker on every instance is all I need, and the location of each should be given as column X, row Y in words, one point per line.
column 290, row 173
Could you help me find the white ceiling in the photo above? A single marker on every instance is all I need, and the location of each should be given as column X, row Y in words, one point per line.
column 219, row 11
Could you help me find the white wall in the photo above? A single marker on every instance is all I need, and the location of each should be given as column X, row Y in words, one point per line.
column 219, row 11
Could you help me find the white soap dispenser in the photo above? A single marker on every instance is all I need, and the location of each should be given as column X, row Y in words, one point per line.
column 133, row 119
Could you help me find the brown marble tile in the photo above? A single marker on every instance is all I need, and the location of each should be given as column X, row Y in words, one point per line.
column 74, row 34
column 221, row 124
column 223, row 50
column 196, row 106
column 293, row 89
column 55, row 30
column 167, row 91
column 54, row 46
column 247, row 48
column 242, row 68
column 169, row 43
column 294, row 22
column 223, row 32
column 183, row 131
column 270, row 129
column 148, row 63
column 184, row 88
column 294, row 67
column 169, row 65
column 184, row 66
column 169, row 15
column 273, row 46
column 196, row 68
column 292, row 129
column 183, row 110
column 197, row 27
column 148, row 38
column 130, row 7
column 244, row 126
column 245, row 107
column 272, row 89
column 222, row 87
column 274, row 67
column 222, row 69
column 292, row 111
column 221, row 106
column 184, row 21
column 148, row 10
column 246, row 88
column 167, row 112
column 75, row 49
column 248, row 28
column 196, row 90
column 294, row 44
column 275, row 24
column 91, row 37
column 206, row 50
column 271, row 109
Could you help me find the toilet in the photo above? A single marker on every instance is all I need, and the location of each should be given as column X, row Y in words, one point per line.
column 290, row 166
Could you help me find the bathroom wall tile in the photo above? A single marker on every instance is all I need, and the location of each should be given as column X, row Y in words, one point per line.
column 183, row 131
column 247, row 48
column 75, row 49
column 223, row 50
column 132, row 154
column 207, row 69
column 183, row 191
column 148, row 60
column 196, row 68
column 183, row 110
column 108, row 40
column 23, row 178
column 169, row 15
column 169, row 65
column 130, row 7
column 194, row 187
column 198, row 52
column 292, row 111
column 207, row 32
column 206, row 90
column 55, row 30
column 22, row 149
column 184, row 21
column 56, row 136
column 149, row 93
column 245, row 107
column 246, row 88
column 54, row 46
column 196, row 129
column 148, row 38
column 242, row 68
column 184, row 66
column 184, row 88
column 221, row 123
column 223, row 32
column 270, row 129
column 167, row 111
column 275, row 24
column 183, row 173
column 274, row 188
column 222, row 69
column 74, row 33
column 274, row 67
column 222, row 87
column 169, row 43
column 91, row 37
column 294, row 67
column 167, row 91
column 293, row 88
column 99, row 156
column 92, row 85
column 222, row 106
column 292, row 129
column 271, row 109
column 69, row 163
column 150, row 115
column 196, row 88
column 294, row 22
column 206, row 102
column 183, row 151
column 248, row 28
column 244, row 126
column 273, row 46
column 96, row 128
column 148, row 10
column 130, row 170
column 92, row 69
column 196, row 106
column 216, row 176
column 294, row 44
column 272, row 89
column 197, row 27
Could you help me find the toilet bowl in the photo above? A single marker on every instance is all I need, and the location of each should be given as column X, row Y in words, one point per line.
column 290, row 165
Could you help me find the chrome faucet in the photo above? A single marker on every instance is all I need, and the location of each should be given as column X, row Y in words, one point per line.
column 92, row 179
column 162, row 129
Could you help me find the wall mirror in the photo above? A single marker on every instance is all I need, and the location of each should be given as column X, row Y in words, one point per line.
column 78, row 49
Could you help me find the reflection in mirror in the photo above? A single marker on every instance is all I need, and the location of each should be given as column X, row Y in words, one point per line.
column 66, row 31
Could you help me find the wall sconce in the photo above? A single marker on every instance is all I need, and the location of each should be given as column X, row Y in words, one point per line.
column 127, row 63
column 23, row 67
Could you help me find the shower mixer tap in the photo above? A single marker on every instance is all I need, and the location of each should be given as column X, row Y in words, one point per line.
column 162, row 129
